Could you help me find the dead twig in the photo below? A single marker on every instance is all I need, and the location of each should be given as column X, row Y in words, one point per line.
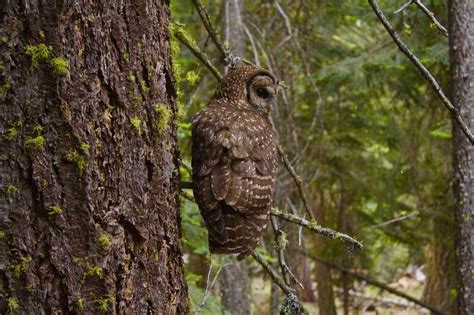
column 424, row 71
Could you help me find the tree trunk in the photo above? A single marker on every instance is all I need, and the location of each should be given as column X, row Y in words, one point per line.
column 234, row 280
column 235, row 287
column 441, row 277
column 89, row 218
column 326, row 300
column 461, row 53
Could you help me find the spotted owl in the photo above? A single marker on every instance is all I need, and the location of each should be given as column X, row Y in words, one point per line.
column 235, row 160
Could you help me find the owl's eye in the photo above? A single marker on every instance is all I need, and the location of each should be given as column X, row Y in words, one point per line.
column 263, row 93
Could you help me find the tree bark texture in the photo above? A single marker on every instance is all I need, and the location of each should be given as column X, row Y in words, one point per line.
column 234, row 279
column 89, row 217
column 461, row 53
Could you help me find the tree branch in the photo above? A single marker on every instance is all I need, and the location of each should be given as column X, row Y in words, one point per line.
column 316, row 228
column 425, row 10
column 210, row 29
column 297, row 180
column 425, row 72
column 431, row 16
column 273, row 274
column 178, row 33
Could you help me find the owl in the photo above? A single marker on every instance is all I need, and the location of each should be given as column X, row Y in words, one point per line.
column 235, row 160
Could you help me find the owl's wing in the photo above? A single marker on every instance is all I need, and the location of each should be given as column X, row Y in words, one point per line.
column 235, row 159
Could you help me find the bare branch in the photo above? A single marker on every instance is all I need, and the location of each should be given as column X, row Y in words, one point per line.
column 317, row 228
column 280, row 242
column 297, row 180
column 273, row 274
column 403, row 7
column 393, row 220
column 431, row 16
column 425, row 10
column 210, row 29
column 209, row 286
column 425, row 72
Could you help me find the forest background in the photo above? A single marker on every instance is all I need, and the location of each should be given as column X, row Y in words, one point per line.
column 370, row 139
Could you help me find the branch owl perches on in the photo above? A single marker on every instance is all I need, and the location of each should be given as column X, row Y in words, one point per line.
column 235, row 160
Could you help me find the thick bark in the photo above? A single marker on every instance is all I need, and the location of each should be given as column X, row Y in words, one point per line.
column 461, row 43
column 89, row 217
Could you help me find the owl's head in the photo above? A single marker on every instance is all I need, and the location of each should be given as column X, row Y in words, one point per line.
column 249, row 86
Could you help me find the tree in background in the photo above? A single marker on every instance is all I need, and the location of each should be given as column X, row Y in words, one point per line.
column 234, row 280
column 89, row 203
column 461, row 52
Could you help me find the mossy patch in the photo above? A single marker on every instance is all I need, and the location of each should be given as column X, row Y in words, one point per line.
column 37, row 53
column 20, row 267
column 104, row 241
column 5, row 87
column 36, row 142
column 74, row 156
column 106, row 301
column 164, row 116
column 136, row 124
column 11, row 189
column 192, row 77
column 12, row 305
column 94, row 272
column 144, row 87
column 84, row 147
column 2, row 234
column 44, row 53
column 60, row 66
column 12, row 133
column 80, row 304
column 138, row 99
column 132, row 77
column 54, row 210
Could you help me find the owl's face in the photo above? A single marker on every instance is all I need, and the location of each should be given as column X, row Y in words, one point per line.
column 249, row 86
column 262, row 93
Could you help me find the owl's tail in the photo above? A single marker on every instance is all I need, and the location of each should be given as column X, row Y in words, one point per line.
column 231, row 232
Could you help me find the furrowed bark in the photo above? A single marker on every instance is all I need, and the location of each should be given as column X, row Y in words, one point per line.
column 89, row 216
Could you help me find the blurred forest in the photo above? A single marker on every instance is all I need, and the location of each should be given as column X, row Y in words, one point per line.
column 369, row 138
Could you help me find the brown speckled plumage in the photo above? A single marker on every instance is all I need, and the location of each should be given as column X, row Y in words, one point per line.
column 235, row 160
